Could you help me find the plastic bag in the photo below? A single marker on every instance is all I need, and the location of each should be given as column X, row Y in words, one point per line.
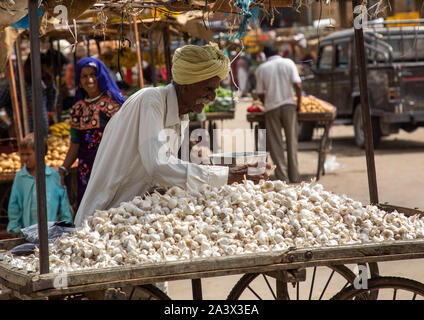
column 23, row 249
column 331, row 164
column 54, row 230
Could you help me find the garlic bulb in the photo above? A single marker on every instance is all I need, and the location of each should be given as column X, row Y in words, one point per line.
column 214, row 222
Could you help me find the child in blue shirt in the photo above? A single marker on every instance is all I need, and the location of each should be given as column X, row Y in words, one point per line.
column 22, row 208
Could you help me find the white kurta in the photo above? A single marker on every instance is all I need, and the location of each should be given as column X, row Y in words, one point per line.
column 130, row 159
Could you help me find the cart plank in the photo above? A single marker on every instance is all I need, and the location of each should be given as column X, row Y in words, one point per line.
column 84, row 277
column 223, row 272
column 405, row 211
column 215, row 266
column 357, row 251
column 11, row 276
column 301, row 117
column 219, row 115
column 8, row 244
column 7, row 177
column 97, row 279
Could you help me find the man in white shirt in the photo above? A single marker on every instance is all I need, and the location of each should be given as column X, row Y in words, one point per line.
column 140, row 144
column 277, row 80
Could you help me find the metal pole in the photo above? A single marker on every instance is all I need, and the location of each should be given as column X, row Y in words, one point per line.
column 365, row 108
column 88, row 46
column 22, row 85
column 75, row 61
column 167, row 54
column 140, row 61
column 59, row 85
column 37, row 102
column 342, row 14
column 152, row 56
column 309, row 15
column 196, row 287
column 15, row 103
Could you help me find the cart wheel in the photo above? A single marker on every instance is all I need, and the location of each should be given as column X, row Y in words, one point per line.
column 145, row 292
column 388, row 288
column 142, row 292
column 330, row 281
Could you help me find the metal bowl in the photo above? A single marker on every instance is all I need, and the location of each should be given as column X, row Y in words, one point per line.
column 233, row 159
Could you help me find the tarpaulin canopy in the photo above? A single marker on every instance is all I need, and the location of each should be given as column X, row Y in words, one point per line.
column 12, row 11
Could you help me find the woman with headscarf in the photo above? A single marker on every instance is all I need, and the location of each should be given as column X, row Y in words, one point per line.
column 98, row 99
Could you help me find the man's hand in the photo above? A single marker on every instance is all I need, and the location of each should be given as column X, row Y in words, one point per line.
column 261, row 97
column 248, row 172
column 62, row 174
column 298, row 88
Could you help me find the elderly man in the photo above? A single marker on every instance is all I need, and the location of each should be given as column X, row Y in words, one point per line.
column 140, row 144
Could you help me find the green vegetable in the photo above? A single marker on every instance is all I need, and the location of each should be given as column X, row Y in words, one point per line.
column 223, row 93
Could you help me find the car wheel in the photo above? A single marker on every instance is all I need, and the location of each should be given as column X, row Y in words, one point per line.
column 359, row 129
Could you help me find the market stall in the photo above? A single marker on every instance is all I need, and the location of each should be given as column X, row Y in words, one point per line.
column 313, row 110
column 109, row 270
column 118, row 273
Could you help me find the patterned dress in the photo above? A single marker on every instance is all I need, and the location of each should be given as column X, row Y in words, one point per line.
column 88, row 120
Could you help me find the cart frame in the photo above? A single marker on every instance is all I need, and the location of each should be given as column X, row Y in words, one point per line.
column 24, row 285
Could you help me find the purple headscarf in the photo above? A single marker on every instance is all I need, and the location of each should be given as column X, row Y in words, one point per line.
column 105, row 81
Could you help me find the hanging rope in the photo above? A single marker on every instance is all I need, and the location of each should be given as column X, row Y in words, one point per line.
column 74, row 35
column 120, row 41
column 247, row 16
column 101, row 21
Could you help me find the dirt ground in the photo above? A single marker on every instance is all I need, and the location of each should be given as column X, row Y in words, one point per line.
column 400, row 178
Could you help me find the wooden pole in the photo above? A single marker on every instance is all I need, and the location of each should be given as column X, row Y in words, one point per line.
column 88, row 46
column 59, row 85
column 365, row 108
column 140, row 61
column 196, row 286
column 37, row 103
column 167, row 54
column 22, row 85
column 15, row 102
column 342, row 14
column 152, row 56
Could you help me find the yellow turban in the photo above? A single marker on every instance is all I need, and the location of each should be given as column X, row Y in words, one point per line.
column 192, row 64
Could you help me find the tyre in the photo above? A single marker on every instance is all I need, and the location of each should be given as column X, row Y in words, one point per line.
column 141, row 292
column 306, row 131
column 359, row 129
column 388, row 288
column 321, row 283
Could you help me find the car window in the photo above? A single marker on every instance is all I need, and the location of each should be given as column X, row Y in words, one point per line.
column 326, row 58
column 407, row 49
column 342, row 55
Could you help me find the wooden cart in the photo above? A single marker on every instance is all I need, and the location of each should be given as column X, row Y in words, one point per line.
column 211, row 117
column 324, row 120
column 283, row 272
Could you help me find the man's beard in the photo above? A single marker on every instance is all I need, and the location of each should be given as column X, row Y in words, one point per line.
column 203, row 101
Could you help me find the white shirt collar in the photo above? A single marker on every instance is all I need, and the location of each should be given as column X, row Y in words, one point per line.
column 274, row 57
column 172, row 112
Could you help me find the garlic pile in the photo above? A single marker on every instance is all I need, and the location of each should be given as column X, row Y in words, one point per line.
column 231, row 220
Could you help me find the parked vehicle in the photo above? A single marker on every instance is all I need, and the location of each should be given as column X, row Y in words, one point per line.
column 395, row 73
